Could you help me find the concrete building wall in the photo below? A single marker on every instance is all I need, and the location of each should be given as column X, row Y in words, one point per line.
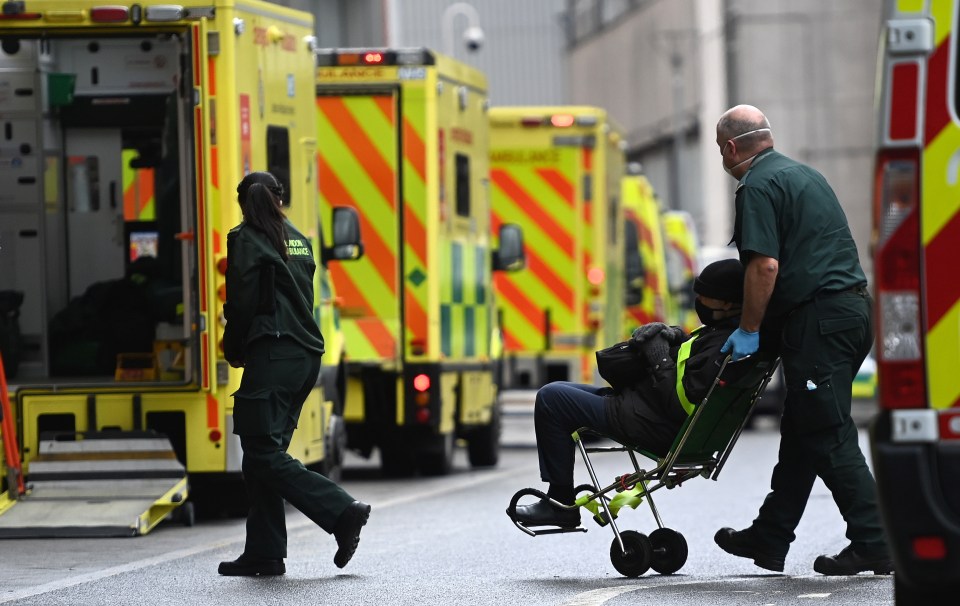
column 810, row 66
column 523, row 54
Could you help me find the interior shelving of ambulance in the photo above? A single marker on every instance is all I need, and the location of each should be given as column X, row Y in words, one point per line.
column 96, row 206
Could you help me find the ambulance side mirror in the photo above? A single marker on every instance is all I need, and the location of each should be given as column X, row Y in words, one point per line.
column 347, row 244
column 510, row 256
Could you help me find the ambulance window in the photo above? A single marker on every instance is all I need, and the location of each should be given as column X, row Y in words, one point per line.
column 463, row 185
column 278, row 158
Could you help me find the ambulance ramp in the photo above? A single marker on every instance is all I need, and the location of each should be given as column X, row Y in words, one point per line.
column 104, row 484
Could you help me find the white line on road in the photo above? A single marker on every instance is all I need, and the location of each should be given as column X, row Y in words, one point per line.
column 301, row 526
column 814, row 595
column 597, row 597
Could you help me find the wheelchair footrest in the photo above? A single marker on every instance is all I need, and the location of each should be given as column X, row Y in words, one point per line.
column 512, row 514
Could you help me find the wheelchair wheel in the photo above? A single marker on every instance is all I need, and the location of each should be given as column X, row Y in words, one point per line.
column 639, row 553
column 669, row 550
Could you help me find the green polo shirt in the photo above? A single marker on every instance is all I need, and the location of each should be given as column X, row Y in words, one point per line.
column 787, row 211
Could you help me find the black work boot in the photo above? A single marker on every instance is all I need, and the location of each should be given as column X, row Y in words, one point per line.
column 850, row 561
column 347, row 531
column 250, row 566
column 543, row 513
column 743, row 543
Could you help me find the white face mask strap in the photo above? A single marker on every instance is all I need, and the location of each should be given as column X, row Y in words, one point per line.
column 749, row 132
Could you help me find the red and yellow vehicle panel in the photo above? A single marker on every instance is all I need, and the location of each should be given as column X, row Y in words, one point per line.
column 917, row 304
column 402, row 138
column 555, row 171
column 642, row 210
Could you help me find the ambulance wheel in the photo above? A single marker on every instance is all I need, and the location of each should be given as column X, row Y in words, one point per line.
column 483, row 447
column 397, row 460
column 669, row 550
column 635, row 559
column 186, row 514
column 436, row 457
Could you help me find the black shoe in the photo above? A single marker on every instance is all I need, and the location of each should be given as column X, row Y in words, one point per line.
column 849, row 562
column 347, row 531
column 743, row 544
column 248, row 566
column 543, row 513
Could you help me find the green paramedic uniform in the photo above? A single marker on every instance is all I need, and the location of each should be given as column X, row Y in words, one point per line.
column 272, row 332
column 822, row 311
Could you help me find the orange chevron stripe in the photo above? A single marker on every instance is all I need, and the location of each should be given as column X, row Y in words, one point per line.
column 378, row 335
column 519, row 301
column 347, row 290
column 416, row 233
column 510, row 341
column 414, row 149
column 146, row 188
column 386, row 105
column 536, row 264
column 130, row 202
column 416, row 315
column 380, row 253
column 544, row 273
column 559, row 183
column 367, row 155
column 532, row 208
column 557, row 286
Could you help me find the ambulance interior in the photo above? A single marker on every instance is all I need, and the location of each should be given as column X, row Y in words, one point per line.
column 94, row 226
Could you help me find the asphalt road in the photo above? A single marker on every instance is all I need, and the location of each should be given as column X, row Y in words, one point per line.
column 447, row 541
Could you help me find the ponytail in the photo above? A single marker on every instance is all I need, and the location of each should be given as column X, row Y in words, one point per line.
column 260, row 196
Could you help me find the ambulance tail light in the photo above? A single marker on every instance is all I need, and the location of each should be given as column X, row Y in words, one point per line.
column 327, row 57
column 421, row 382
column 930, row 548
column 558, row 121
column 900, row 373
column 109, row 14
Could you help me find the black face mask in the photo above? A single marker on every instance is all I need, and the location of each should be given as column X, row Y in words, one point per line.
column 705, row 313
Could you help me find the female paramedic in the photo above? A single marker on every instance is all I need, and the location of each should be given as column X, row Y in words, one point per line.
column 271, row 333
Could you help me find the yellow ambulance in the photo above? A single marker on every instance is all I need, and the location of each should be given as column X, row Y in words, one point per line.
column 402, row 138
column 127, row 128
column 683, row 251
column 556, row 172
column 647, row 292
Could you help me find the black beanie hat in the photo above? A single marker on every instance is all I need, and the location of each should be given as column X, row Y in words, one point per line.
column 721, row 280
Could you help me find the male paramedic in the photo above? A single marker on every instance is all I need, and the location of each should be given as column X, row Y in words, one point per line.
column 804, row 287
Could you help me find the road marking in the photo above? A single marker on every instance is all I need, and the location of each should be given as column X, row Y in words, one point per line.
column 814, row 595
column 474, row 479
column 599, row 596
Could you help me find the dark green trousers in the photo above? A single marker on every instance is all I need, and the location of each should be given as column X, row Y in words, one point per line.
column 823, row 345
column 277, row 377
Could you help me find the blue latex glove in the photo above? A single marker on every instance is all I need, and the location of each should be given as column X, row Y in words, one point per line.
column 741, row 344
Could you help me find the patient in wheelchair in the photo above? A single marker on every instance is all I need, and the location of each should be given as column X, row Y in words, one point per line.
column 646, row 412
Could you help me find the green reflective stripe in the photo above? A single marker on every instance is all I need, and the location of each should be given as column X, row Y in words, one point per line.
column 688, row 406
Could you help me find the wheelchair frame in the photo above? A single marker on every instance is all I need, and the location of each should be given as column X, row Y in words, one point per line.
column 701, row 448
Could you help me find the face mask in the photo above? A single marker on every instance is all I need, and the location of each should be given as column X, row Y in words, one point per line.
column 705, row 313
column 729, row 169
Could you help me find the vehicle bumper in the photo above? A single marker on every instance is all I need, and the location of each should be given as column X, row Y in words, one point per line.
column 919, row 497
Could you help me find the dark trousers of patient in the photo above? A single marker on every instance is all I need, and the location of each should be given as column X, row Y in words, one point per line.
column 562, row 408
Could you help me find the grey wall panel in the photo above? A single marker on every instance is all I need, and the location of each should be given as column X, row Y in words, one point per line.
column 523, row 54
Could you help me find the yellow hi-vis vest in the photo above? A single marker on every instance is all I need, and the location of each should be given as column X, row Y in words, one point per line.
column 682, row 356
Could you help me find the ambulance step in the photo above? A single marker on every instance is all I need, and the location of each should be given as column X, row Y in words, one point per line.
column 103, row 485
